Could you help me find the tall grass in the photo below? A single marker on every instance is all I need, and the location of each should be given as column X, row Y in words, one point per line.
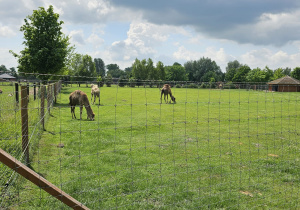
column 215, row 149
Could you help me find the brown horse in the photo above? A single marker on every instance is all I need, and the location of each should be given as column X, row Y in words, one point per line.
column 166, row 90
column 80, row 98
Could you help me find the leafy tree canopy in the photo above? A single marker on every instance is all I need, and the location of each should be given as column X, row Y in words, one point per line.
column 241, row 74
column 197, row 69
column 296, row 73
column 100, row 67
column 278, row 73
column 46, row 47
column 176, row 73
column 83, row 68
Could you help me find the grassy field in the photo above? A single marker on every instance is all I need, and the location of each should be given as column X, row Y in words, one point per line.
column 213, row 149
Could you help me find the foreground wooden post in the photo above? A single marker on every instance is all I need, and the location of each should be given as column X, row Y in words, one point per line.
column 24, row 116
column 35, row 178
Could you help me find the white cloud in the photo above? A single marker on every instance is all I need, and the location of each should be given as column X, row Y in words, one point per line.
column 77, row 37
column 142, row 40
column 6, row 31
column 95, row 40
column 219, row 56
column 265, row 57
column 275, row 29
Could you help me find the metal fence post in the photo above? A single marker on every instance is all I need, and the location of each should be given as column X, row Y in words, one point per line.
column 24, row 116
column 43, row 106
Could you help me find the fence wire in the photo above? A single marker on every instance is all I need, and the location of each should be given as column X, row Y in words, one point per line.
column 234, row 146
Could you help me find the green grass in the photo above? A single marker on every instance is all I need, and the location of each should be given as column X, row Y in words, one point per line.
column 232, row 149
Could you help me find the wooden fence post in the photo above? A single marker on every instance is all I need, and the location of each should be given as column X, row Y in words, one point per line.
column 43, row 105
column 24, row 116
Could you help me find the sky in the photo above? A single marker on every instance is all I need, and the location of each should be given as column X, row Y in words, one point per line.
column 257, row 33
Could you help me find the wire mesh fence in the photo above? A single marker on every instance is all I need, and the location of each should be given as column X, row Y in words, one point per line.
column 219, row 146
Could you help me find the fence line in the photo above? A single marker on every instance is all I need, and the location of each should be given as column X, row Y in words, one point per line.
column 214, row 148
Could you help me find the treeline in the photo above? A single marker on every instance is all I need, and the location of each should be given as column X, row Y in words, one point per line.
column 203, row 70
column 84, row 68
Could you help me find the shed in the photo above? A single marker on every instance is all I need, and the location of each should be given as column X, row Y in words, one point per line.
column 285, row 84
column 7, row 77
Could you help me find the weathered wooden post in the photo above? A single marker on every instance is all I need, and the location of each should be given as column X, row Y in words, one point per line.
column 24, row 116
column 43, row 105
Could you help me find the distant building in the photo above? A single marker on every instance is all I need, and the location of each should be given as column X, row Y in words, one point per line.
column 285, row 84
column 7, row 77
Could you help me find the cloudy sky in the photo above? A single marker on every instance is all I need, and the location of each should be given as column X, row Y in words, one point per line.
column 258, row 33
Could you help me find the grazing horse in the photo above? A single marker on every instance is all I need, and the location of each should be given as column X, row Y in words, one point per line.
column 166, row 90
column 80, row 98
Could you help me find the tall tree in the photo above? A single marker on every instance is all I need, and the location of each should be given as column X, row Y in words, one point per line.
column 112, row 66
column 278, row 73
column 231, row 69
column 152, row 72
column 83, row 68
column 139, row 70
column 241, row 74
column 287, row 71
column 296, row 73
column 46, row 47
column 161, row 70
column 176, row 73
column 13, row 72
column 128, row 72
column 197, row 69
column 269, row 74
column 100, row 67
column 3, row 69
column 256, row 75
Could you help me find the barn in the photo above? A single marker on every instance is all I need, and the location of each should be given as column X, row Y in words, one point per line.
column 7, row 77
column 285, row 84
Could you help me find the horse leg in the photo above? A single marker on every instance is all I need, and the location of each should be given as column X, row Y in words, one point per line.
column 81, row 107
column 73, row 112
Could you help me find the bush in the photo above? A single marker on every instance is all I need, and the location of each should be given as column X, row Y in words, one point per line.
column 108, row 81
column 132, row 82
column 229, row 85
column 203, row 85
column 212, row 85
column 193, row 85
column 178, row 86
column 122, row 82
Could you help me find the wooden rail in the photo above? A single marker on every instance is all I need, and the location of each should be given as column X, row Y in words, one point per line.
column 32, row 176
